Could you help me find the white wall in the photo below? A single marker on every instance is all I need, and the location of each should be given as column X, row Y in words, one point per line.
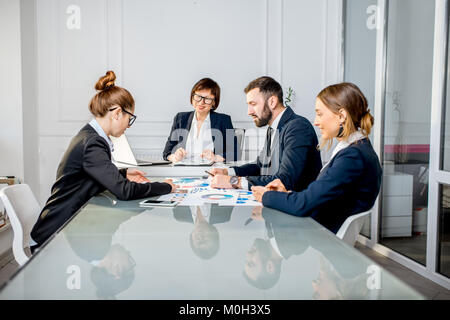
column 159, row 49
column 11, row 138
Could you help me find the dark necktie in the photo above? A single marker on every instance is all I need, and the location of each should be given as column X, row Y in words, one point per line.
column 269, row 140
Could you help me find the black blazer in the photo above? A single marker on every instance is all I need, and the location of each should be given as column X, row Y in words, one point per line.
column 294, row 160
column 91, row 238
column 86, row 170
column 225, row 144
column 347, row 186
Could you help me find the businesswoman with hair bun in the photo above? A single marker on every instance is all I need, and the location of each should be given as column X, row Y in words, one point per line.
column 86, row 168
column 350, row 182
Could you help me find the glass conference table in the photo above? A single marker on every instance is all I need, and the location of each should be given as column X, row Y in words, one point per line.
column 116, row 249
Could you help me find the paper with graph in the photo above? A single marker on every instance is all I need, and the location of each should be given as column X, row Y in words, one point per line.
column 197, row 191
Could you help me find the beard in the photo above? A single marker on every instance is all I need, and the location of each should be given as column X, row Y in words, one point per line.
column 265, row 117
column 264, row 249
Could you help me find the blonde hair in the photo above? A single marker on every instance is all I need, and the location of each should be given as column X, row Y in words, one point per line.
column 110, row 95
column 349, row 97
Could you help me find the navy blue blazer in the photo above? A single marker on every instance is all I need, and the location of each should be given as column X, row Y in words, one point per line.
column 225, row 144
column 296, row 160
column 347, row 186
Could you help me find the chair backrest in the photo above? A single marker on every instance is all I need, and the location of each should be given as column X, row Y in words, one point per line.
column 23, row 211
column 240, row 137
column 351, row 227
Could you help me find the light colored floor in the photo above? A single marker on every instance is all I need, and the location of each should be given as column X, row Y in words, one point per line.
column 427, row 288
column 7, row 268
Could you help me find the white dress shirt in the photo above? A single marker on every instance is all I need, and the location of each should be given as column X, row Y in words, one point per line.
column 274, row 245
column 199, row 140
column 96, row 126
column 205, row 211
column 274, row 125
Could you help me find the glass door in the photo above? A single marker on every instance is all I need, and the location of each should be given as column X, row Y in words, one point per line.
column 443, row 247
column 406, row 127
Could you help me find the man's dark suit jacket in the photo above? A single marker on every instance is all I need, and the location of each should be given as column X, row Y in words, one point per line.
column 225, row 145
column 85, row 170
column 294, row 159
column 218, row 214
column 348, row 185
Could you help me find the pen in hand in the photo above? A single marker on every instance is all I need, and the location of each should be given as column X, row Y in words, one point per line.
column 209, row 173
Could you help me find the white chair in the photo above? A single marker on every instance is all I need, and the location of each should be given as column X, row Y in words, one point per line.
column 23, row 211
column 351, row 227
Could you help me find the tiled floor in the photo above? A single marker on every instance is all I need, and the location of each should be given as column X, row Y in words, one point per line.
column 426, row 287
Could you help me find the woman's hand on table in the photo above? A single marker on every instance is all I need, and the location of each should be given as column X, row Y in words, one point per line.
column 276, row 185
column 174, row 186
column 258, row 192
column 208, row 154
column 178, row 155
column 136, row 176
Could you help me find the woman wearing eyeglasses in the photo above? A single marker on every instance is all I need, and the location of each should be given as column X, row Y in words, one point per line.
column 86, row 168
column 202, row 133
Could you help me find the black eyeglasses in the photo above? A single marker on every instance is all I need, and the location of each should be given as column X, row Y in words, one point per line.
column 132, row 116
column 199, row 98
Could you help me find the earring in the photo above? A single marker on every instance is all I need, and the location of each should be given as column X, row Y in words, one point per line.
column 341, row 130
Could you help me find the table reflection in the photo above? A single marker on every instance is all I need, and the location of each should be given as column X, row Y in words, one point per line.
column 204, row 238
column 112, row 266
column 117, row 250
column 287, row 236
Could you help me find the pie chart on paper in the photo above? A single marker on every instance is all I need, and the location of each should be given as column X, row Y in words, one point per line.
column 216, row 196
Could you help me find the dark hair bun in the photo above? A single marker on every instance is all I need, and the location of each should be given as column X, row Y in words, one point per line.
column 106, row 82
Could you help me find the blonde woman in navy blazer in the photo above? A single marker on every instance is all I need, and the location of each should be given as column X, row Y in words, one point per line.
column 350, row 182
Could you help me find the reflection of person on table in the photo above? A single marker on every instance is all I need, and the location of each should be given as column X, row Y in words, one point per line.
column 262, row 266
column 91, row 239
column 288, row 236
column 350, row 182
column 204, row 238
column 86, row 168
column 331, row 285
column 202, row 133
